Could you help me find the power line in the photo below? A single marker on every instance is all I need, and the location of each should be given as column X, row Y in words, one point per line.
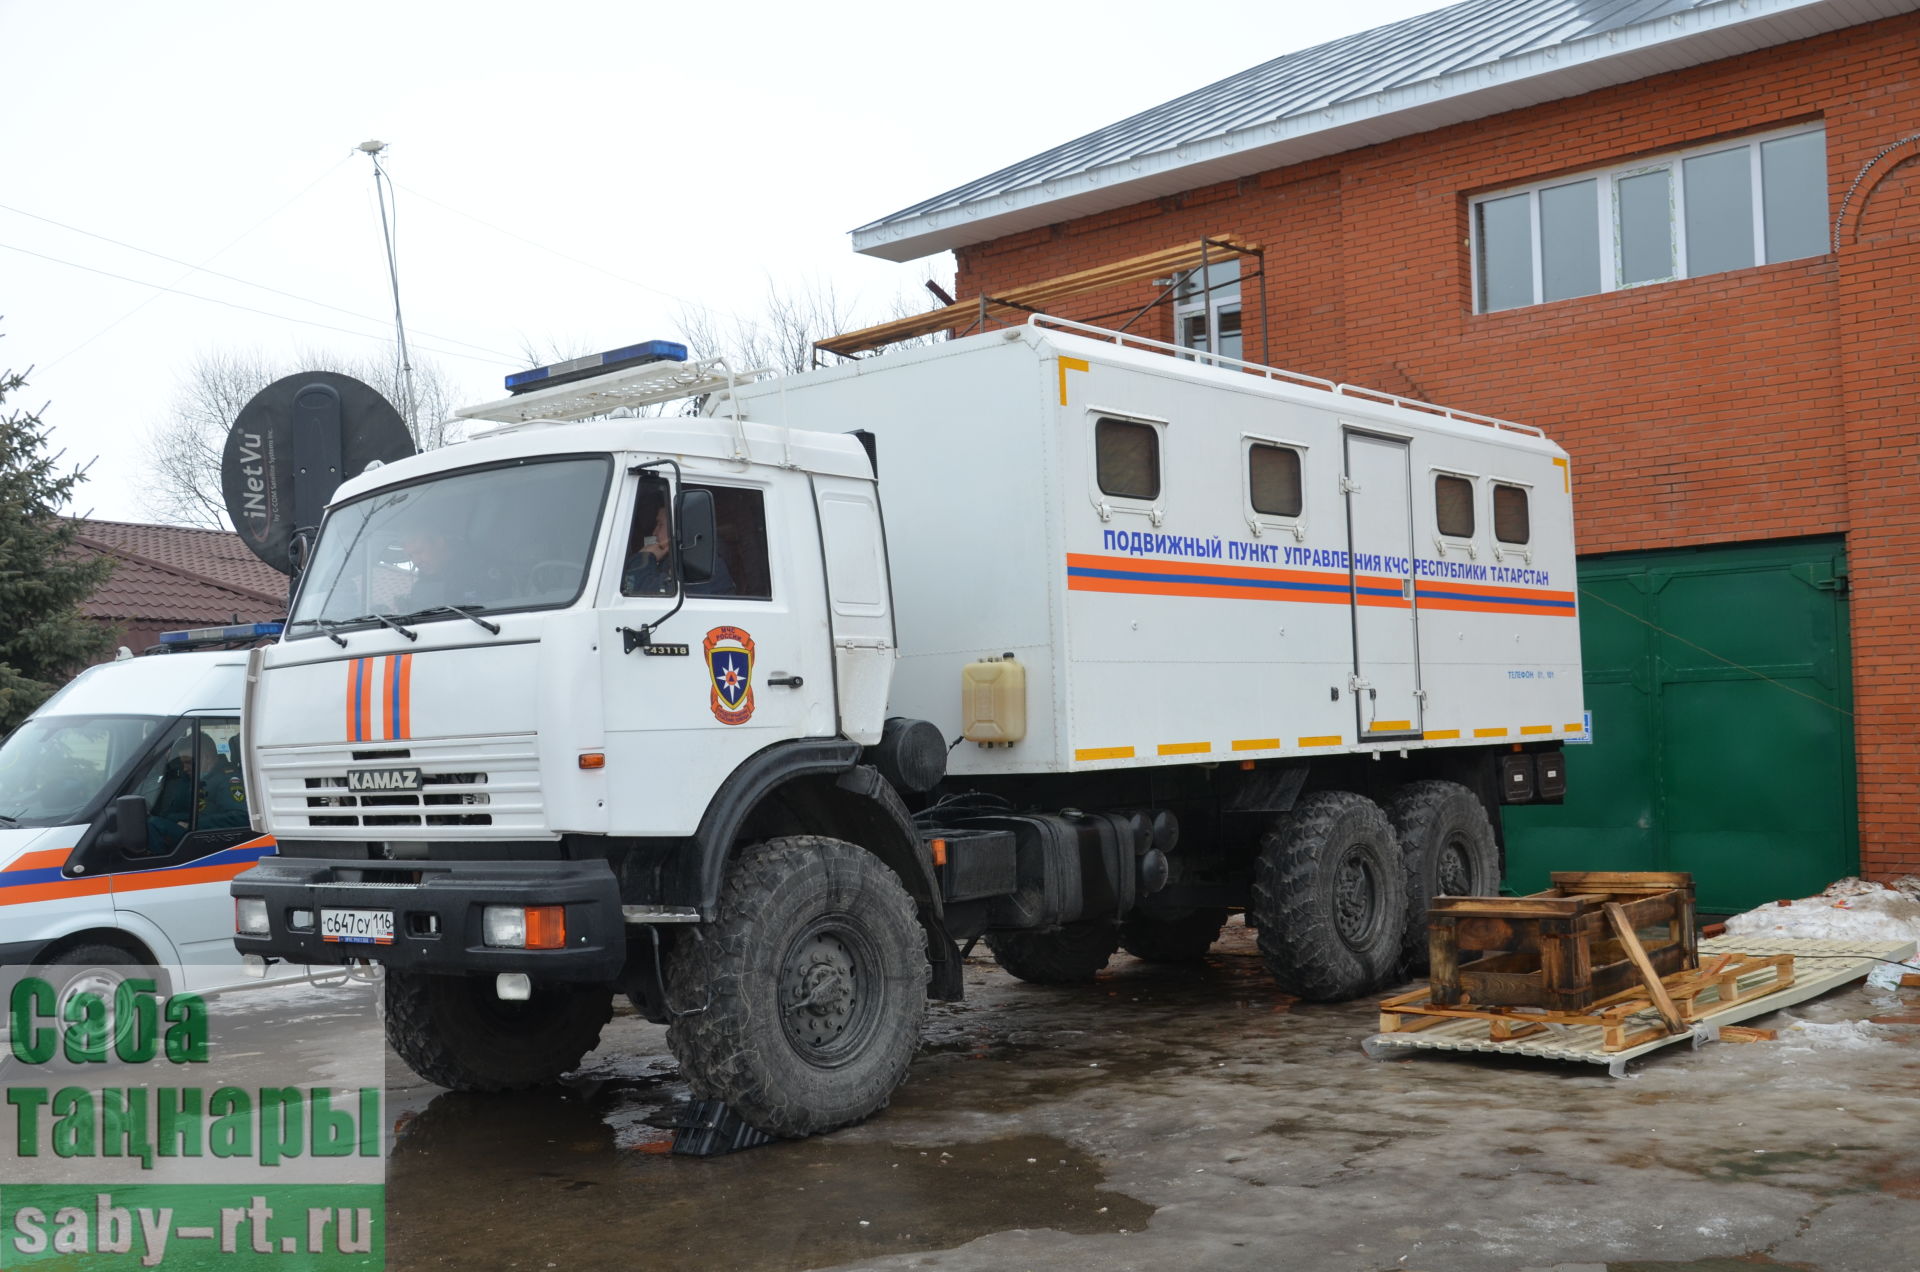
column 565, row 256
column 213, row 273
column 264, row 313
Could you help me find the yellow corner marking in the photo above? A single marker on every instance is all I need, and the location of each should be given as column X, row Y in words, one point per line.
column 1566, row 471
column 1066, row 365
column 1536, row 728
column 1333, row 740
column 1257, row 744
column 1574, row 728
column 1391, row 726
column 1103, row 753
column 1185, row 748
column 1489, row 733
column 1440, row 735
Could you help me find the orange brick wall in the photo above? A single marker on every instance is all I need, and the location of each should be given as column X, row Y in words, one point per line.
column 1764, row 403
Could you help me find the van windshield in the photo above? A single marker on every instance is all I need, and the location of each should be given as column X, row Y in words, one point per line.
column 512, row 537
column 53, row 769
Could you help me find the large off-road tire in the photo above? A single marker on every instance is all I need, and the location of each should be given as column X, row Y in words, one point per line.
column 1070, row 955
column 800, row 1005
column 1330, row 894
column 454, row 1031
column 1183, row 940
column 1448, row 847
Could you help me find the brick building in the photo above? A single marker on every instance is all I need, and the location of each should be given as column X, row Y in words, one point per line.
column 1683, row 236
column 166, row 578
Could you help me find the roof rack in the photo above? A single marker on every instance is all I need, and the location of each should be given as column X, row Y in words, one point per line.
column 1359, row 392
column 639, row 386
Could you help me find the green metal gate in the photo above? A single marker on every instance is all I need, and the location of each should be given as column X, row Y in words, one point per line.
column 1721, row 690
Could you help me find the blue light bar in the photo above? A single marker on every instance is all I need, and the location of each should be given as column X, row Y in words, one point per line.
column 239, row 631
column 596, row 364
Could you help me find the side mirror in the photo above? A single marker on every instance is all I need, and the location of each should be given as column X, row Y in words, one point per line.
column 122, row 829
column 694, row 524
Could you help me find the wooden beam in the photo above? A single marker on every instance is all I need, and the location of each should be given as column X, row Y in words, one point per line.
column 1630, row 941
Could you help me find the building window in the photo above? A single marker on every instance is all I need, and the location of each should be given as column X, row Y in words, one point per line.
column 1510, row 523
column 1127, row 459
column 1206, row 309
column 1703, row 211
column 1273, row 480
column 1453, row 506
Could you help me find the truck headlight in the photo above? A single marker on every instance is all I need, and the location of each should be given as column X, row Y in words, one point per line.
column 533, row 927
column 250, row 916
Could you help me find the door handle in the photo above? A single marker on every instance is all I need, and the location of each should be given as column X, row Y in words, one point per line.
column 786, row 682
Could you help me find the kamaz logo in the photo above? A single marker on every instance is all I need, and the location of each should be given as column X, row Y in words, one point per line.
column 375, row 780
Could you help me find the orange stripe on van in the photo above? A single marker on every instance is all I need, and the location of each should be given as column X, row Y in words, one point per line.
column 41, row 859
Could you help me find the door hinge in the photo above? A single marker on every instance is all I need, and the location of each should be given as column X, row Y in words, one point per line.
column 1348, row 486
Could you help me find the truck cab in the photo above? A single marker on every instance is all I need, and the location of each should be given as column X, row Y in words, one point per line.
column 123, row 818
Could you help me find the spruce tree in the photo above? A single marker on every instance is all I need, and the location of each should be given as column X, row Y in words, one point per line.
column 44, row 638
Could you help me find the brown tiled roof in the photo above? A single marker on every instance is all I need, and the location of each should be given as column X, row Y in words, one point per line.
column 177, row 575
column 215, row 555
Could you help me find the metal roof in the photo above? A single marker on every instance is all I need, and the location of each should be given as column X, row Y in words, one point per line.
column 1462, row 62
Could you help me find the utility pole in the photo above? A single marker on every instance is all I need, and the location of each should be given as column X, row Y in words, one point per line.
column 382, row 187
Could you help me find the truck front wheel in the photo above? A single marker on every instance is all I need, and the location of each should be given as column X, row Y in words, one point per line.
column 800, row 1005
column 1330, row 892
column 456, row 1032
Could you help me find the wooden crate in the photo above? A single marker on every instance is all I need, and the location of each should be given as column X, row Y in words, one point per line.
column 1556, row 949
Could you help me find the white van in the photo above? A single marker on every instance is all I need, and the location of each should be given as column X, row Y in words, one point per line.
column 123, row 816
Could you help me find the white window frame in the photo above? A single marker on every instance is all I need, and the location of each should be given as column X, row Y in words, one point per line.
column 1259, row 522
column 1606, row 192
column 1223, row 298
column 1441, row 542
column 1155, row 509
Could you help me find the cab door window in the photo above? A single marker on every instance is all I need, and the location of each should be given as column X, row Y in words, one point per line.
column 196, row 795
column 740, row 565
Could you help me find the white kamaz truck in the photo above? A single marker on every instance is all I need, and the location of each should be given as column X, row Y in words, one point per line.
column 763, row 715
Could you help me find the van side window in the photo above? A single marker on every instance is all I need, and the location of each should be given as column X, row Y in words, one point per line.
column 196, row 796
column 1453, row 506
column 740, row 565
column 1510, row 521
column 1273, row 480
column 1126, row 459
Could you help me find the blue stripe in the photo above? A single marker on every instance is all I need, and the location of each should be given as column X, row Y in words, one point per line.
column 1543, row 602
column 393, row 696
column 359, row 680
column 47, row 874
column 1079, row 571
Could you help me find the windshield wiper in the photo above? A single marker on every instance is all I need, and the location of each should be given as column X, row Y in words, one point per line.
column 9, row 822
column 454, row 609
column 408, row 632
column 333, row 633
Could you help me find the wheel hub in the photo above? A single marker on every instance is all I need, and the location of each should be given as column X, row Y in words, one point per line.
column 1453, row 879
column 1356, row 899
column 820, row 993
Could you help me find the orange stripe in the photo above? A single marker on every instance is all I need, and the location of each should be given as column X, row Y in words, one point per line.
column 1489, row 733
column 180, row 878
column 1185, row 748
column 1495, row 593
column 1329, row 740
column 406, row 695
column 1227, row 591
column 366, row 700
column 41, row 859
column 1536, row 728
column 350, row 664
column 1257, row 744
column 1488, row 607
column 22, row 892
column 1440, row 735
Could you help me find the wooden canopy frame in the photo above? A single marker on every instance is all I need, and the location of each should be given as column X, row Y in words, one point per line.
column 1017, row 302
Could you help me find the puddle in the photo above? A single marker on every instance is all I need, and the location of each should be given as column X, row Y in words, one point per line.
column 508, row 1181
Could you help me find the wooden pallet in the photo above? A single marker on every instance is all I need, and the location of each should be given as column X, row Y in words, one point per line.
column 1626, row 1019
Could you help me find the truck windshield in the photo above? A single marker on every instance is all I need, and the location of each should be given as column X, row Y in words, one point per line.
column 54, row 768
column 513, row 537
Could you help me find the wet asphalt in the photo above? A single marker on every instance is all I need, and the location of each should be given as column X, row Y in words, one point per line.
column 1196, row 1118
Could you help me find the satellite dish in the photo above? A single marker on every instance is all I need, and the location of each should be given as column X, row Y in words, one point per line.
column 291, row 447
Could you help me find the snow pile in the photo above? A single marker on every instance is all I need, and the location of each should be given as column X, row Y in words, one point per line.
column 1850, row 910
column 1843, row 1035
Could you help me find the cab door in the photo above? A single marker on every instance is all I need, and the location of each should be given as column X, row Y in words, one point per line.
column 1386, row 625
column 197, row 839
column 743, row 663
column 859, row 602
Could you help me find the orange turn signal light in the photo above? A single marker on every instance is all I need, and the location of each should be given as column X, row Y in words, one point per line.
column 593, row 760
column 546, row 927
column 939, row 852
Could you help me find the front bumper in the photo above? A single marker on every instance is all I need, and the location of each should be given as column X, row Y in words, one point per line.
column 436, row 909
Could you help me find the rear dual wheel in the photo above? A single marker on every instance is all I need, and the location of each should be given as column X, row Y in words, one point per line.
column 1330, row 896
column 1447, row 843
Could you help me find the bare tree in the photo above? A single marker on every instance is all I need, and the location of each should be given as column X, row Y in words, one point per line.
column 184, row 448
column 780, row 338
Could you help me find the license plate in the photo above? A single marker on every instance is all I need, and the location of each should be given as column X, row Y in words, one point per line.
column 357, row 927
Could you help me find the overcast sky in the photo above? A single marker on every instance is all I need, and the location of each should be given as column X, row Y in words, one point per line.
column 687, row 153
